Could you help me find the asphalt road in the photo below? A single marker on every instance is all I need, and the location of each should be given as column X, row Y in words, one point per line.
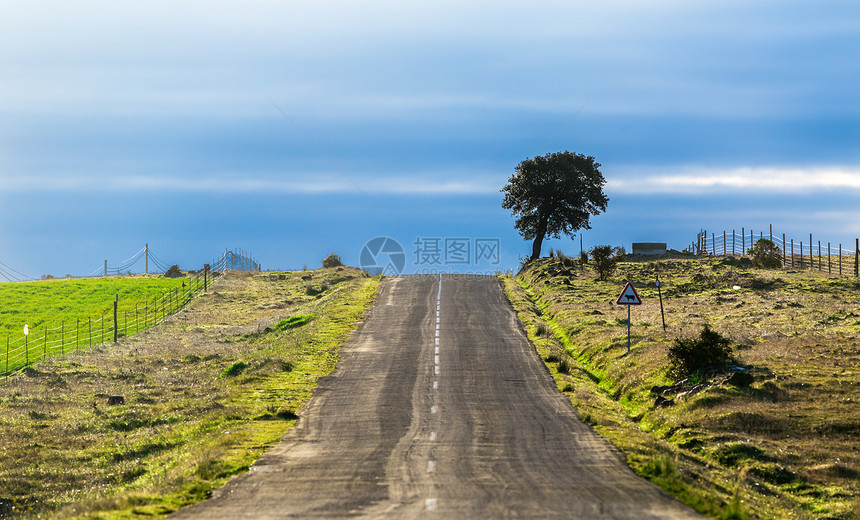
column 440, row 408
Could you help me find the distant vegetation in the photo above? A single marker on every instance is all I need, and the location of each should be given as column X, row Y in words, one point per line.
column 606, row 259
column 765, row 254
column 332, row 260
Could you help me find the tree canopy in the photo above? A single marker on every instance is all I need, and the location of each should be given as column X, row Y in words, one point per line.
column 554, row 194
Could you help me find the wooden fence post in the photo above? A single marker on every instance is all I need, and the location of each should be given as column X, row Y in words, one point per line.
column 857, row 257
column 115, row 321
column 743, row 241
column 725, row 248
column 714, row 244
column 811, row 259
column 45, row 349
column 62, row 339
column 7, row 358
column 784, row 263
column 840, row 259
column 792, row 252
column 819, row 256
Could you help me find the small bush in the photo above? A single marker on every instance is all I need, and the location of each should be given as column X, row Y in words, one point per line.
column 689, row 356
column 563, row 367
column 766, row 255
column 173, row 272
column 583, row 257
column 332, row 260
column 540, row 329
column 606, row 259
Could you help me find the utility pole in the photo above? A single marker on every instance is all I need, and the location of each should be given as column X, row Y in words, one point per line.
column 147, row 258
column 105, row 268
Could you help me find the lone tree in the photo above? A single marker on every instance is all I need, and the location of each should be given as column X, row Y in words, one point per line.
column 554, row 194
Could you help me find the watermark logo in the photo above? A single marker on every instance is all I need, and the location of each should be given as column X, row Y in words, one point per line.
column 382, row 255
column 456, row 251
column 385, row 255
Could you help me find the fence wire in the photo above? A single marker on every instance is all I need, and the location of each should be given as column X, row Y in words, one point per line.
column 795, row 253
column 43, row 342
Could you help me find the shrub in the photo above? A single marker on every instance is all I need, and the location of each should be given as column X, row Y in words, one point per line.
column 332, row 260
column 606, row 259
column 766, row 254
column 173, row 272
column 563, row 367
column 583, row 257
column 689, row 356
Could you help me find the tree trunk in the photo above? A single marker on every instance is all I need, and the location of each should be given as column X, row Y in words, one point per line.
column 539, row 236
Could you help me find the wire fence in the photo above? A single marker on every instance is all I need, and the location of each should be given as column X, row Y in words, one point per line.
column 795, row 253
column 116, row 321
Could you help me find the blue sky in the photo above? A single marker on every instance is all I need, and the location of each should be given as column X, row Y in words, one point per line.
column 294, row 129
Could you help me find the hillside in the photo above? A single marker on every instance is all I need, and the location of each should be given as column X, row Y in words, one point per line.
column 783, row 446
column 156, row 421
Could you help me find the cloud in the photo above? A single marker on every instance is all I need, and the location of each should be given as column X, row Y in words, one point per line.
column 714, row 180
column 423, row 183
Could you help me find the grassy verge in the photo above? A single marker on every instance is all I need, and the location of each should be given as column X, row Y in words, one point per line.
column 782, row 447
column 159, row 420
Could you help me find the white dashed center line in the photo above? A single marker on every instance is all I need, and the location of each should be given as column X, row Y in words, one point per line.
column 431, row 503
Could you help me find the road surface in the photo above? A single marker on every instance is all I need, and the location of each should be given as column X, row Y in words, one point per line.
column 439, row 408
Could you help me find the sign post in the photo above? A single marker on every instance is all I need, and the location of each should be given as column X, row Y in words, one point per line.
column 629, row 297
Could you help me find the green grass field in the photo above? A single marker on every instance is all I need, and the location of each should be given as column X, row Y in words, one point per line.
column 64, row 315
column 784, row 446
column 50, row 303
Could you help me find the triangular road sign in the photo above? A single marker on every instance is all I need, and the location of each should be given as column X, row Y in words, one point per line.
column 629, row 296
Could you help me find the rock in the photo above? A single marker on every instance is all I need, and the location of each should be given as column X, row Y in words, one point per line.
column 662, row 402
column 114, row 400
column 740, row 379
